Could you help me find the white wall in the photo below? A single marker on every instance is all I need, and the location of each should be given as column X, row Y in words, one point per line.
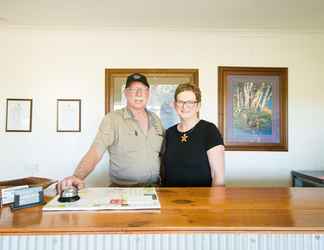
column 49, row 64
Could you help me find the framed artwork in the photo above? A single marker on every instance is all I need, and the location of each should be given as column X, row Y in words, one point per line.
column 163, row 83
column 19, row 115
column 252, row 108
column 68, row 115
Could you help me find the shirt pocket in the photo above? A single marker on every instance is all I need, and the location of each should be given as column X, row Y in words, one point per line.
column 130, row 141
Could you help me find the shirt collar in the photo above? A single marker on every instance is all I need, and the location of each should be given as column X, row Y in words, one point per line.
column 127, row 114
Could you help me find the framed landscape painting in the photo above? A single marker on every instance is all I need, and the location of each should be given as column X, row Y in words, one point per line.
column 252, row 108
column 163, row 83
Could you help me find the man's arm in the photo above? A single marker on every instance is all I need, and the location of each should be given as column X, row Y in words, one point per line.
column 216, row 162
column 87, row 164
column 84, row 168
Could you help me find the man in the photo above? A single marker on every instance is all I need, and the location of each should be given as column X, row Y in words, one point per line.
column 133, row 137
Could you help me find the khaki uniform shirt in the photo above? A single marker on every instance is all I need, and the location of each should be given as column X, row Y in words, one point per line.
column 134, row 156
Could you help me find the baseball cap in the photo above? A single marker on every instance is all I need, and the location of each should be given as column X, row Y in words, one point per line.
column 136, row 77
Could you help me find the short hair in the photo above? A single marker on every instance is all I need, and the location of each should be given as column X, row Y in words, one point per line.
column 188, row 87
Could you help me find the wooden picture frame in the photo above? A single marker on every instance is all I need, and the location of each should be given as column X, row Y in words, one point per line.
column 163, row 83
column 68, row 115
column 19, row 113
column 252, row 108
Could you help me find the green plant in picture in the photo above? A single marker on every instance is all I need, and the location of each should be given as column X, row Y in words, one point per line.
column 252, row 107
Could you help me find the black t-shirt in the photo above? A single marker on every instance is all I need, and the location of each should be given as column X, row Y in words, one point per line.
column 185, row 159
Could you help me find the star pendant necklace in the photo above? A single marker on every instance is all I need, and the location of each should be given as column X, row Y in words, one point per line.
column 185, row 136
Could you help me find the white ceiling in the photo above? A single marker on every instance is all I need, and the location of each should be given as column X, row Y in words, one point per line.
column 183, row 14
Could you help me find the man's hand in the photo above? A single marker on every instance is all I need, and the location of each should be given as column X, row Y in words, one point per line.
column 70, row 181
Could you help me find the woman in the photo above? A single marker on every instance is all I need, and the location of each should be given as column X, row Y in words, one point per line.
column 194, row 148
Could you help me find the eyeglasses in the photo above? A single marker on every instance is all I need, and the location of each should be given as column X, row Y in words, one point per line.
column 136, row 90
column 188, row 104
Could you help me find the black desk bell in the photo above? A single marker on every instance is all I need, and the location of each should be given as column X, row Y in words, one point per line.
column 69, row 194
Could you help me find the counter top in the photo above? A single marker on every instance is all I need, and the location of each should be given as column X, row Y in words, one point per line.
column 185, row 210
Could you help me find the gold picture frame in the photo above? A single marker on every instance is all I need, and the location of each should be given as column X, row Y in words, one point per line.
column 163, row 83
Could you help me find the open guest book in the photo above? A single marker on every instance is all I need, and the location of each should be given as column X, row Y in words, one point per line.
column 108, row 199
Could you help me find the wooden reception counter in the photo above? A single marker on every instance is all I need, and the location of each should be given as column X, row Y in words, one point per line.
column 187, row 211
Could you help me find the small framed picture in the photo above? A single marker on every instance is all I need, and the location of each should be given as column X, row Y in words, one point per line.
column 68, row 115
column 19, row 115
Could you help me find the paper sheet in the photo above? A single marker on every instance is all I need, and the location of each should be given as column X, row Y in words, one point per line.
column 108, row 199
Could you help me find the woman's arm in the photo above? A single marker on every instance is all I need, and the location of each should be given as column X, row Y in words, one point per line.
column 217, row 165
